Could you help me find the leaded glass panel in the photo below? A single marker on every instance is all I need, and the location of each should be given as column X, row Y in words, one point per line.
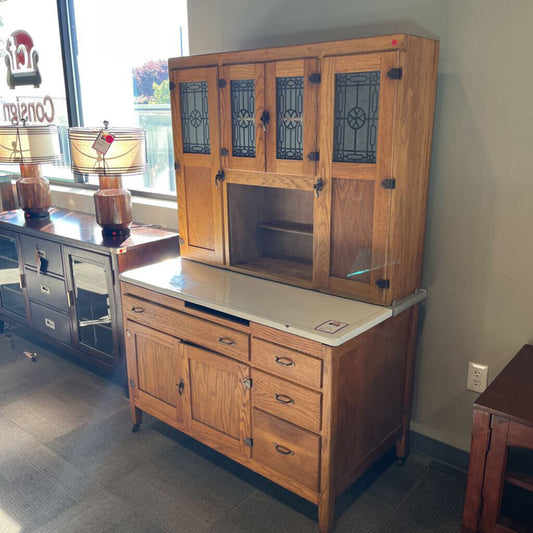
column 356, row 117
column 194, row 117
column 290, row 106
column 243, row 118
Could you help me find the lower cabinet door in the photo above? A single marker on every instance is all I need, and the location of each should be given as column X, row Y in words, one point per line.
column 154, row 373
column 217, row 393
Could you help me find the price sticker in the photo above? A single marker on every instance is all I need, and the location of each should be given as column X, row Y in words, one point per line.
column 103, row 142
column 331, row 326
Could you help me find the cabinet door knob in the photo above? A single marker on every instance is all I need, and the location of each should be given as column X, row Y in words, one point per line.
column 128, row 333
column 265, row 119
column 284, row 361
column 226, row 341
column 137, row 309
column 283, row 398
column 181, row 386
column 282, row 450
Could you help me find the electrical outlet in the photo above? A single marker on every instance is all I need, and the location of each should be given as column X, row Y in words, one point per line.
column 477, row 377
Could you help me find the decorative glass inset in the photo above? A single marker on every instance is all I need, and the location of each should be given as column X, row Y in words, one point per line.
column 290, row 107
column 243, row 118
column 194, row 117
column 356, row 117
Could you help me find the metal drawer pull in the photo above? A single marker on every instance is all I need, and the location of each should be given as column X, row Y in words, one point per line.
column 282, row 398
column 226, row 341
column 181, row 386
column 284, row 361
column 45, row 290
column 49, row 323
column 281, row 449
column 137, row 309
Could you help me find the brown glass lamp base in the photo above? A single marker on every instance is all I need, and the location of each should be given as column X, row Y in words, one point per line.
column 33, row 191
column 113, row 207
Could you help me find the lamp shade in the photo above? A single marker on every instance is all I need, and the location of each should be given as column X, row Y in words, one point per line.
column 126, row 154
column 29, row 144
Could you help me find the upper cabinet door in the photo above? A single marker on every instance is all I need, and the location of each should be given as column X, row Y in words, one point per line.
column 291, row 102
column 199, row 183
column 242, row 104
column 357, row 118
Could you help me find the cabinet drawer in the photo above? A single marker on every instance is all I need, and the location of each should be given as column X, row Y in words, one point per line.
column 49, row 252
column 287, row 363
column 289, row 450
column 286, row 400
column 196, row 330
column 47, row 290
column 50, row 322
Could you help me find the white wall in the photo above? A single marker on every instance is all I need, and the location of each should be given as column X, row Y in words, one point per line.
column 479, row 246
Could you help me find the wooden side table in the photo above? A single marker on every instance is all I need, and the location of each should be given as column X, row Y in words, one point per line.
column 499, row 493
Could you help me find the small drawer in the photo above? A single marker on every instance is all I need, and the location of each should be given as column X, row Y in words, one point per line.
column 287, row 363
column 47, row 290
column 41, row 254
column 210, row 335
column 286, row 400
column 289, row 450
column 52, row 323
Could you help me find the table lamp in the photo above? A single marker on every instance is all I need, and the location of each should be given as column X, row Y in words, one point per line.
column 30, row 146
column 109, row 153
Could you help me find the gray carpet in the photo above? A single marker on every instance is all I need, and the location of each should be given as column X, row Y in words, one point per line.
column 70, row 463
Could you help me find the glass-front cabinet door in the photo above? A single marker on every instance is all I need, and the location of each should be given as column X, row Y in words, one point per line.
column 90, row 283
column 357, row 117
column 199, row 178
column 12, row 299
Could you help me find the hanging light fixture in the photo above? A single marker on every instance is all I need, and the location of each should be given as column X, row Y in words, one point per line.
column 30, row 146
column 110, row 153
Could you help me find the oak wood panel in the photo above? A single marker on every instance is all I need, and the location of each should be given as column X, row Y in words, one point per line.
column 213, row 336
column 231, row 73
column 217, row 400
column 287, row 363
column 288, row 401
column 343, row 47
column 271, row 179
column 286, row 448
column 199, row 198
column 282, row 339
column 411, row 163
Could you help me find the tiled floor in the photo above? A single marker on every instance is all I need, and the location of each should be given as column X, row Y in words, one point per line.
column 70, row 463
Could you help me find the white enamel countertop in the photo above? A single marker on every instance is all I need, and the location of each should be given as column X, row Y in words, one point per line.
column 283, row 307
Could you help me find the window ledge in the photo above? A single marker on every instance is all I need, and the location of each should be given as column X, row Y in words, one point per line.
column 145, row 210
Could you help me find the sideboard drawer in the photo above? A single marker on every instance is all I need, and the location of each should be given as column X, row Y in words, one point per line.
column 47, row 290
column 50, row 322
column 287, row 363
column 190, row 328
column 286, row 400
column 48, row 252
column 289, row 450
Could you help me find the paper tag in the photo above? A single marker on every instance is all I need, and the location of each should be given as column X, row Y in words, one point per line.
column 331, row 326
column 103, row 142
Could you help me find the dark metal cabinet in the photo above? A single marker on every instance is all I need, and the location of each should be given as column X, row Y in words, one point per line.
column 60, row 277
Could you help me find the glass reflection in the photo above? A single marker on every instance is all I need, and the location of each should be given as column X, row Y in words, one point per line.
column 11, row 296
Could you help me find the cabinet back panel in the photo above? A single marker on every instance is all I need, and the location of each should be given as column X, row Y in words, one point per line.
column 199, row 206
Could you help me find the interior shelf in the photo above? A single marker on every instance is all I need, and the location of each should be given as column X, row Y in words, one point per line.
column 287, row 227
column 520, row 479
column 282, row 267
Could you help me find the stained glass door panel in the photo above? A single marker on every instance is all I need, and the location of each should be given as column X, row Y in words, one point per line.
column 242, row 106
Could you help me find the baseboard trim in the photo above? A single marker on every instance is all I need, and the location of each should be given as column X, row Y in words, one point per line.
column 439, row 451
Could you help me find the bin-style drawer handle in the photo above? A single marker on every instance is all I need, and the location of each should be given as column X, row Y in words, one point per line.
column 226, row 341
column 283, row 398
column 45, row 290
column 137, row 309
column 49, row 323
column 282, row 450
column 284, row 361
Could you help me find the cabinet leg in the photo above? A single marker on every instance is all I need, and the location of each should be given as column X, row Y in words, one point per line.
column 326, row 512
column 2, row 324
column 136, row 418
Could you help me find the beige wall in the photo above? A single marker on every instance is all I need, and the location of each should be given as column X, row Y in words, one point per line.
column 479, row 246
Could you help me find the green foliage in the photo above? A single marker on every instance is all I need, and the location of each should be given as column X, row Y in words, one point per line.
column 161, row 93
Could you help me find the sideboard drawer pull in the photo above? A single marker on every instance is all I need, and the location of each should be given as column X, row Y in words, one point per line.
column 283, row 398
column 137, row 309
column 49, row 323
column 282, row 450
column 226, row 341
column 284, row 361
column 45, row 290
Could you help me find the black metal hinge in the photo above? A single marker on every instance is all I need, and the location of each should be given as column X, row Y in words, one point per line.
column 395, row 73
column 389, row 183
column 222, row 83
column 248, row 442
column 314, row 77
column 177, row 165
column 224, row 151
column 172, row 85
column 313, row 156
column 383, row 283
